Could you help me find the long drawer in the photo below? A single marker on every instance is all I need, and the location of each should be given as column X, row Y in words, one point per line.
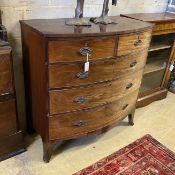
column 69, row 50
column 7, row 118
column 86, row 97
column 5, row 72
column 79, row 123
column 133, row 42
column 67, row 75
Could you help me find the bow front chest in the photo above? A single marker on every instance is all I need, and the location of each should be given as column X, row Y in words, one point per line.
column 81, row 80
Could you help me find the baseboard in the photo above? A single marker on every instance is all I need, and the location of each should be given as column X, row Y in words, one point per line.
column 146, row 100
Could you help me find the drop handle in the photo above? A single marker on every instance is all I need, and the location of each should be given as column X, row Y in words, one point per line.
column 130, row 85
column 125, row 106
column 133, row 63
column 82, row 75
column 80, row 100
column 79, row 123
column 85, row 50
column 138, row 42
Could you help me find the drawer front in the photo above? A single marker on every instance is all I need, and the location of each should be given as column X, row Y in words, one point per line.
column 5, row 74
column 164, row 28
column 69, row 50
column 87, row 97
column 80, row 123
column 7, row 118
column 133, row 42
column 67, row 75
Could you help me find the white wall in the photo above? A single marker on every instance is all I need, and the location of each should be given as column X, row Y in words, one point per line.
column 15, row 10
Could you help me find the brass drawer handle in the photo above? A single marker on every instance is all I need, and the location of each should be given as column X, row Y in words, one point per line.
column 82, row 75
column 133, row 63
column 80, row 100
column 138, row 43
column 79, row 123
column 125, row 106
column 85, row 50
column 129, row 85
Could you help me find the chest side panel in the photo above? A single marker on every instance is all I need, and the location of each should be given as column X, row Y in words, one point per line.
column 35, row 77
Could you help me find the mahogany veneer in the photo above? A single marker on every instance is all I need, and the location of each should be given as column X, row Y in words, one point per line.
column 11, row 139
column 63, row 101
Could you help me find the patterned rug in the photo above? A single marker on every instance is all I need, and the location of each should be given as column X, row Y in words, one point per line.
column 145, row 156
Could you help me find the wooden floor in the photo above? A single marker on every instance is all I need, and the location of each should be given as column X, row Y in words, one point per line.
column 157, row 119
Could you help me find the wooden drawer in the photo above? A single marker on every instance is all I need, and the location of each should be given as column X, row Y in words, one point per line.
column 69, row 50
column 5, row 72
column 86, row 97
column 79, row 123
column 7, row 118
column 66, row 75
column 133, row 42
column 164, row 28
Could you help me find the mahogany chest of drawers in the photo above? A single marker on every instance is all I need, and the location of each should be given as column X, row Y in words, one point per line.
column 11, row 140
column 63, row 100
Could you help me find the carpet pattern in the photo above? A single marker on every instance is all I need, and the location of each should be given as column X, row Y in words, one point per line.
column 145, row 156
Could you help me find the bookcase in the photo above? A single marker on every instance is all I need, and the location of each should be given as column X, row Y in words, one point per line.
column 160, row 58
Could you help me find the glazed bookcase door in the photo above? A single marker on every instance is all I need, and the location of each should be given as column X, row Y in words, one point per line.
column 158, row 64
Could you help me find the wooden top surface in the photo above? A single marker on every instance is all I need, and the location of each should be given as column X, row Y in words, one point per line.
column 57, row 27
column 152, row 17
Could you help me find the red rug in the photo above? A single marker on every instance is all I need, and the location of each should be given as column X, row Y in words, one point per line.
column 145, row 156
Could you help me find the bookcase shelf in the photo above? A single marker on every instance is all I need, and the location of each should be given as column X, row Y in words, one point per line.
column 159, row 46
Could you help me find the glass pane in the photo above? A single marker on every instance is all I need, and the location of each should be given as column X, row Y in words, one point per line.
column 152, row 80
column 158, row 57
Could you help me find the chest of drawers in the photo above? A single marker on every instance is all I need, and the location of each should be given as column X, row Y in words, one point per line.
column 11, row 140
column 63, row 101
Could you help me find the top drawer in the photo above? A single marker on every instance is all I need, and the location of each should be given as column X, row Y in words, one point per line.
column 5, row 72
column 133, row 42
column 69, row 50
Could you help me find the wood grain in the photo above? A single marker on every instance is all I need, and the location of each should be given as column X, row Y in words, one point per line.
column 56, row 28
column 62, row 126
column 66, row 75
column 8, row 123
column 12, row 145
column 52, row 57
column 35, row 83
column 6, row 85
column 151, row 97
column 69, row 50
column 94, row 95
column 133, row 42
column 11, row 140
column 164, row 28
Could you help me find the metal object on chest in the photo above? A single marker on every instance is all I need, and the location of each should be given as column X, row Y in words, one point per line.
column 80, row 21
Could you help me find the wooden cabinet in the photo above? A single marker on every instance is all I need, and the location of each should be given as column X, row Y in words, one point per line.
column 64, row 101
column 160, row 57
column 11, row 140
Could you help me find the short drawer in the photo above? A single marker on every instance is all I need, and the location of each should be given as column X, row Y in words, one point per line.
column 67, row 75
column 94, row 95
column 69, row 50
column 5, row 72
column 7, row 118
column 75, row 124
column 133, row 42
